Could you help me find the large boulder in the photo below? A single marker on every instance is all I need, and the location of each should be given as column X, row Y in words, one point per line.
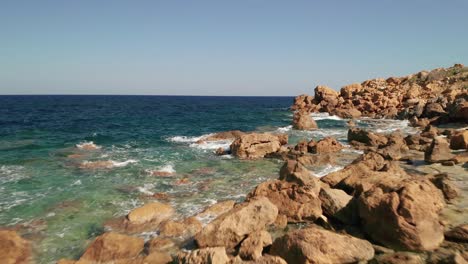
column 459, row 140
column 404, row 217
column 13, row 248
column 325, row 93
column 303, row 121
column 299, row 203
column 294, row 171
column 252, row 247
column 230, row 228
column 214, row 255
column 438, row 151
column 112, row 247
column 315, row 245
column 339, row 205
column 215, row 210
column 187, row 227
column 458, row 233
column 257, row 145
column 325, row 145
column 151, row 212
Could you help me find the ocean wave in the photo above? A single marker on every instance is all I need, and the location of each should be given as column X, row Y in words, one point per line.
column 185, row 139
column 326, row 170
column 387, row 126
column 212, row 145
column 324, row 116
column 284, row 129
column 165, row 170
column 105, row 164
column 88, row 145
column 11, row 173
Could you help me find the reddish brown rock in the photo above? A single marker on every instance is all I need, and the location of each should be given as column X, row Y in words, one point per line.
column 294, row 171
column 160, row 244
column 213, row 255
column 252, row 247
column 256, row 145
column 303, row 121
column 230, row 228
column 216, row 210
column 357, row 135
column 438, row 151
column 325, row 145
column 300, row 203
column 458, row 233
column 188, row 227
column 151, row 212
column 112, row 247
column 404, row 217
column 314, row 245
column 459, row 140
column 339, row 205
column 13, row 248
column 226, row 135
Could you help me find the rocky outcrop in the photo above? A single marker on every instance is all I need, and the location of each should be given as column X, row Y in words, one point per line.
column 294, row 171
column 303, row 121
column 113, row 247
column 215, row 210
column 299, row 203
column 339, row 205
column 188, row 227
column 226, row 135
column 438, row 151
column 213, row 255
column 359, row 136
column 439, row 95
column 403, row 217
column 257, row 145
column 458, row 233
column 13, row 248
column 459, row 140
column 325, row 145
column 230, row 228
column 314, row 245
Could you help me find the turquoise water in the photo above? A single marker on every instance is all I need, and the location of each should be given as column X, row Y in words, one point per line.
column 47, row 194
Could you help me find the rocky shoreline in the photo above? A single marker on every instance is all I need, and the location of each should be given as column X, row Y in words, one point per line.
column 382, row 208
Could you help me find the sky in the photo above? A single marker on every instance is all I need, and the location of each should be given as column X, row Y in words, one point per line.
column 220, row 47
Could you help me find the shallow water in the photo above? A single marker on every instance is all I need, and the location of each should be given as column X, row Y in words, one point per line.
column 50, row 193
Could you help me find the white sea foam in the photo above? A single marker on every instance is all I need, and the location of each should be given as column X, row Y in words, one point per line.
column 284, row 129
column 326, row 170
column 11, row 173
column 185, row 139
column 87, row 145
column 123, row 163
column 145, row 189
column 167, row 168
column 323, row 116
column 78, row 182
column 212, row 145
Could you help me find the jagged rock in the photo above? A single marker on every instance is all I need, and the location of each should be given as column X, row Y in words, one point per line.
column 187, row 227
column 403, row 217
column 158, row 244
column 226, row 135
column 350, row 90
column 303, row 121
column 257, row 145
column 438, row 151
column 216, row 210
column 300, row 203
column 293, row 171
column 266, row 259
column 112, row 247
column 213, row 255
column 458, row 233
column 459, row 140
column 301, row 147
column 338, row 204
column 314, row 245
column 252, row 247
column 230, row 228
column 325, row 145
column 442, row 182
column 357, row 135
column 13, row 248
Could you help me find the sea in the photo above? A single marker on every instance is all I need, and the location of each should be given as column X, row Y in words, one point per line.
column 53, row 199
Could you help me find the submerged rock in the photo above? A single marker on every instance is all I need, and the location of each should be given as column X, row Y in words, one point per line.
column 230, row 228
column 13, row 248
column 257, row 145
column 404, row 217
column 315, row 245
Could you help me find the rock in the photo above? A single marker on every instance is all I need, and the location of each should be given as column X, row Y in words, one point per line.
column 300, row 203
column 230, row 228
column 438, row 151
column 459, row 140
column 266, row 259
column 442, row 182
column 404, row 217
column 460, row 111
column 324, row 93
column 226, row 135
column 154, row 212
column 399, row 258
column 351, row 113
column 281, row 222
column 213, row 255
column 256, row 145
column 314, row 245
column 458, row 234
column 303, row 121
column 339, row 205
column 293, row 171
column 216, row 210
column 220, row 151
column 301, row 147
column 349, row 91
column 433, row 109
column 325, row 145
column 13, row 248
column 112, row 246
column 357, row 135
column 91, row 165
column 302, row 103
column 188, row 227
column 252, row 247
column 155, row 258
column 158, row 244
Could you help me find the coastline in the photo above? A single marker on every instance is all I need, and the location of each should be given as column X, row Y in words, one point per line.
column 384, row 202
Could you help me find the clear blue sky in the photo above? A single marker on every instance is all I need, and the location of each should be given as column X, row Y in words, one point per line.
column 257, row 47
